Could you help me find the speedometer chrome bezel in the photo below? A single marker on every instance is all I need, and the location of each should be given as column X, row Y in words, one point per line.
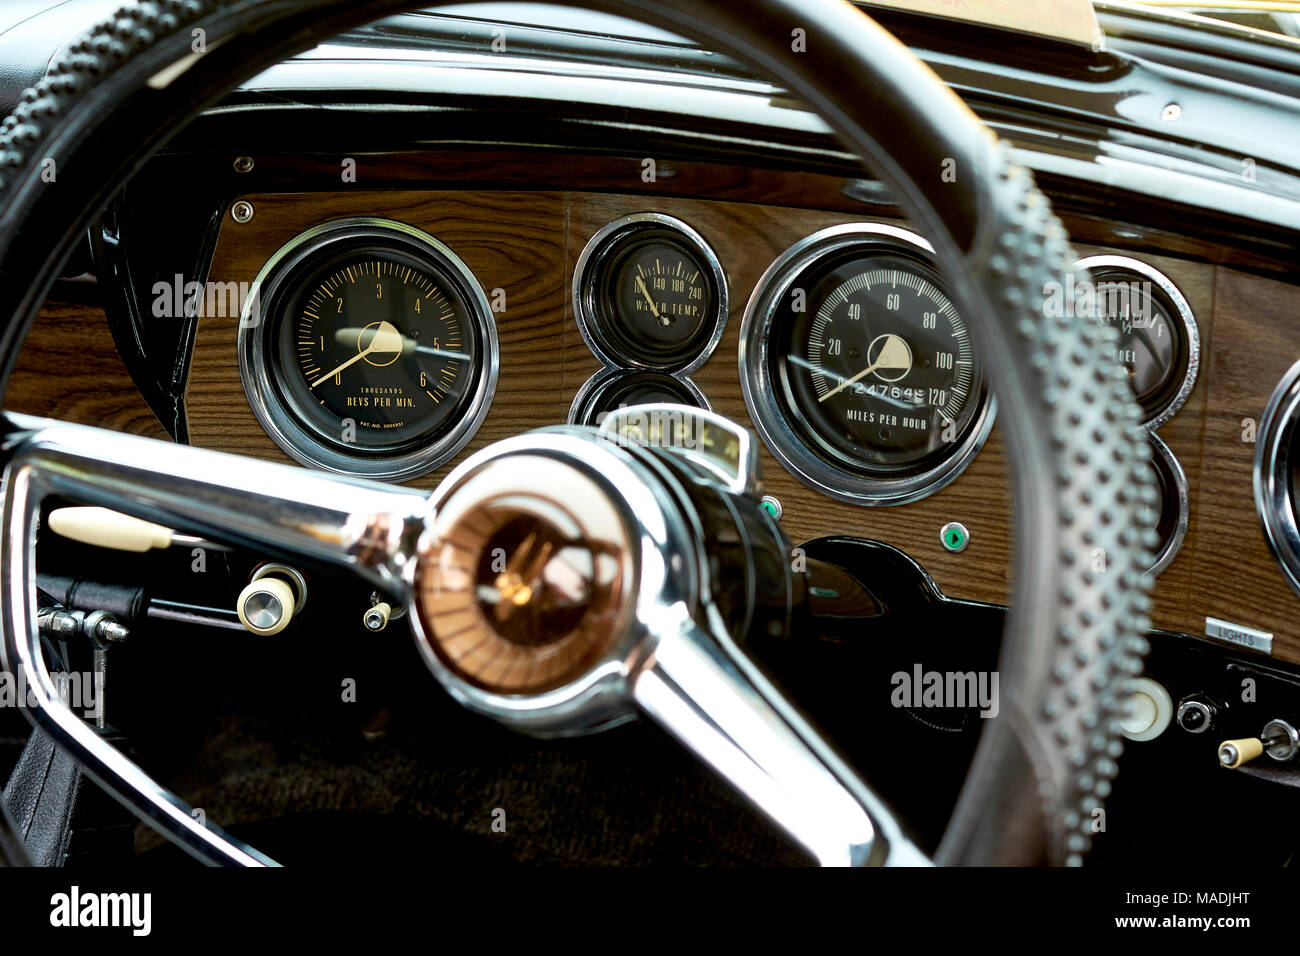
column 282, row 423
column 1274, row 502
column 766, row 411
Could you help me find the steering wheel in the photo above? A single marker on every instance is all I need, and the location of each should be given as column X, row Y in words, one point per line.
column 659, row 630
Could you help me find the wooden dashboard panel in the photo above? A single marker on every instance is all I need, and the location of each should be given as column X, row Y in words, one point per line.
column 526, row 243
column 69, row 368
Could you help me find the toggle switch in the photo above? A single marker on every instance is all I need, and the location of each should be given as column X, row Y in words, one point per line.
column 1278, row 739
column 376, row 618
column 1237, row 753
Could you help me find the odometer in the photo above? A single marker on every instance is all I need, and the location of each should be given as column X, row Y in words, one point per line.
column 859, row 369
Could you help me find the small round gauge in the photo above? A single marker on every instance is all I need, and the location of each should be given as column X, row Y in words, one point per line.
column 1171, row 507
column 612, row 389
column 368, row 348
column 1159, row 344
column 649, row 293
column 859, row 370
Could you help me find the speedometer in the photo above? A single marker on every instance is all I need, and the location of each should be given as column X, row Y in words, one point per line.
column 859, row 370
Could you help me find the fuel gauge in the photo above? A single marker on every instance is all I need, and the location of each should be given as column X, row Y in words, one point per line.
column 1159, row 344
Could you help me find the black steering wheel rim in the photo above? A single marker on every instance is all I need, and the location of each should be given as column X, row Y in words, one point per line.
column 1074, row 634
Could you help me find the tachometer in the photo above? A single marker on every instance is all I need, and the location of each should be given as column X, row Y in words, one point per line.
column 859, row 370
column 368, row 348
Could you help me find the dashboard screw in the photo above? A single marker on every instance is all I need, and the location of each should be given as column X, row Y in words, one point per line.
column 243, row 164
column 241, row 211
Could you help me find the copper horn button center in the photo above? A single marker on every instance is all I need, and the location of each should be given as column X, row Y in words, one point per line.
column 526, row 580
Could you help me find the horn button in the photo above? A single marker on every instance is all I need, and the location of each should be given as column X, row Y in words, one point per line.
column 526, row 579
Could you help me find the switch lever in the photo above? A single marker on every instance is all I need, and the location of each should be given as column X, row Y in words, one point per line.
column 1278, row 739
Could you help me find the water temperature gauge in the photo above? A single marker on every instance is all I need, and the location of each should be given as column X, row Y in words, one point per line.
column 649, row 293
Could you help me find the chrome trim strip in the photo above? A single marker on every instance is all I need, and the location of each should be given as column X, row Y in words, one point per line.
column 1274, row 502
column 584, row 293
column 781, row 439
column 282, row 424
column 1191, row 331
column 364, row 527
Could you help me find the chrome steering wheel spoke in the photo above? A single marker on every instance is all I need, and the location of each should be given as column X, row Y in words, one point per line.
column 709, row 694
column 362, row 527
column 658, row 659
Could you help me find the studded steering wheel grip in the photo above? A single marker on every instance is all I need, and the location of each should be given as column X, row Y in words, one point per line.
column 1080, row 605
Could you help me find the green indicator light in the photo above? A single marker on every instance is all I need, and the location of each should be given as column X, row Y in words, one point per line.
column 771, row 506
column 954, row 536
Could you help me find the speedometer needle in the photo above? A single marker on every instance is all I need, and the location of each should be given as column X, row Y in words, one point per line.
column 893, row 354
column 649, row 301
column 385, row 339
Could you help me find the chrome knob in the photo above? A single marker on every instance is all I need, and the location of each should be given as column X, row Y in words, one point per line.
column 266, row 605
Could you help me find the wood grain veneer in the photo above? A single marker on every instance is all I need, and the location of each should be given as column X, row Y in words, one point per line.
column 69, row 368
column 526, row 242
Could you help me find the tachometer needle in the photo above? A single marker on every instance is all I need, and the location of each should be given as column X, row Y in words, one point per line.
column 349, row 334
column 385, row 339
column 650, row 302
column 893, row 354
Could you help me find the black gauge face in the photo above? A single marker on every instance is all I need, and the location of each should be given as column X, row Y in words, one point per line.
column 878, row 370
column 1153, row 346
column 650, row 295
column 1167, row 514
column 660, row 291
column 632, row 388
column 368, row 349
column 376, row 349
column 1165, row 508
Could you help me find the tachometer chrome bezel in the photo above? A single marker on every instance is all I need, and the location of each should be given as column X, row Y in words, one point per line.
column 766, row 412
column 299, row 441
